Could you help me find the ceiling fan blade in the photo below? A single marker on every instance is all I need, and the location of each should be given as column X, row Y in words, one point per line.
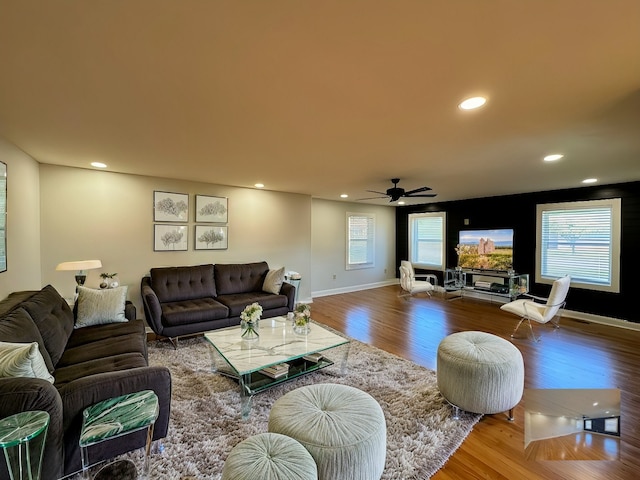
column 379, row 193
column 370, row 198
column 424, row 195
column 417, row 190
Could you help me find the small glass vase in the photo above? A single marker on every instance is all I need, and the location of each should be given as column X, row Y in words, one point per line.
column 249, row 330
column 301, row 326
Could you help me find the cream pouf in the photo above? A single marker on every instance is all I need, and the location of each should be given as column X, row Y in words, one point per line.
column 269, row 456
column 342, row 427
column 479, row 372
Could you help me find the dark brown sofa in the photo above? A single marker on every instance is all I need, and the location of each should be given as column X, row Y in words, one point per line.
column 89, row 365
column 186, row 300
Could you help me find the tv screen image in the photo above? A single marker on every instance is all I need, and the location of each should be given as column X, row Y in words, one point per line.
column 490, row 249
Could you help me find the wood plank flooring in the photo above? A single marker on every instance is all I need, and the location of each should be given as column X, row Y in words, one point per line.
column 577, row 355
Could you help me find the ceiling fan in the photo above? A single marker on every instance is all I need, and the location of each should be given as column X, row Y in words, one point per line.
column 395, row 192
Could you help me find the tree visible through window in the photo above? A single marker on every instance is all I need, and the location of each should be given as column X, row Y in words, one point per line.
column 360, row 240
column 581, row 239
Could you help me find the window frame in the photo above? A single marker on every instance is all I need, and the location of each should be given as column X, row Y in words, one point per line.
column 370, row 241
column 443, row 257
column 615, row 206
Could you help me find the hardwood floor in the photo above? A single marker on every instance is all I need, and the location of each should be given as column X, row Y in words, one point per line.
column 577, row 355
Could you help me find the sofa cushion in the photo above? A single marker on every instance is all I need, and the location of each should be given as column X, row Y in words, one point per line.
column 192, row 311
column 176, row 284
column 273, row 281
column 97, row 307
column 113, row 363
column 53, row 317
column 88, row 335
column 236, row 303
column 19, row 327
column 22, row 360
column 13, row 301
column 239, row 277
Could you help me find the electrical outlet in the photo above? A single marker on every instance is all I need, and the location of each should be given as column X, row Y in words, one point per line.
column 385, row 271
column 334, row 276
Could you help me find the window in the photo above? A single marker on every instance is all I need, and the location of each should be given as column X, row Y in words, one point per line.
column 427, row 240
column 360, row 240
column 581, row 239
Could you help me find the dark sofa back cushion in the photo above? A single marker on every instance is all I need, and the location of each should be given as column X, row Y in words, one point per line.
column 240, row 277
column 53, row 317
column 175, row 284
column 19, row 327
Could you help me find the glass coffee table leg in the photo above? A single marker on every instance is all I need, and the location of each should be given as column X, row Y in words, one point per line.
column 345, row 356
column 245, row 396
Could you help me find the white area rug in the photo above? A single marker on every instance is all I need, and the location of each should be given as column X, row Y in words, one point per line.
column 205, row 420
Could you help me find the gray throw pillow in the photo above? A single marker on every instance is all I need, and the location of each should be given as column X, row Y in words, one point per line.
column 273, row 281
column 23, row 360
column 97, row 307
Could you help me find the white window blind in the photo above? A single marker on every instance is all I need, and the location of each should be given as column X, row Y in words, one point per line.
column 360, row 240
column 581, row 239
column 427, row 240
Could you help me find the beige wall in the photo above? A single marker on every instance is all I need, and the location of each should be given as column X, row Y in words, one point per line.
column 87, row 214
column 329, row 248
column 23, row 222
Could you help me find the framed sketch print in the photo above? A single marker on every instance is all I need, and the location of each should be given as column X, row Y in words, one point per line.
column 170, row 207
column 170, row 238
column 211, row 237
column 211, row 209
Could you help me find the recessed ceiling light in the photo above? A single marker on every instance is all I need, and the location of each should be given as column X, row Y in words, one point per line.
column 400, row 202
column 553, row 157
column 259, row 185
column 590, row 180
column 344, row 195
column 98, row 164
column 471, row 103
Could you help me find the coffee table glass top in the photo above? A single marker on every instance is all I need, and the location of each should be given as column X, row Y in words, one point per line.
column 277, row 343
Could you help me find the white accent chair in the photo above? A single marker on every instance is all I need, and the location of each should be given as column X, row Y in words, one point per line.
column 545, row 311
column 409, row 283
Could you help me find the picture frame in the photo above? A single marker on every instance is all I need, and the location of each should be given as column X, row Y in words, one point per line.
column 170, row 238
column 170, row 206
column 212, row 209
column 211, row 237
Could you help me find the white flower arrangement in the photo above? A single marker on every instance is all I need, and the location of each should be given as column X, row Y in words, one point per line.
column 302, row 315
column 251, row 313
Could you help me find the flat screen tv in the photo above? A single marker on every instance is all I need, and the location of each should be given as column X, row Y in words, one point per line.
column 490, row 249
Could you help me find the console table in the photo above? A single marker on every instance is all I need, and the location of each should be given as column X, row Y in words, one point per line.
column 508, row 285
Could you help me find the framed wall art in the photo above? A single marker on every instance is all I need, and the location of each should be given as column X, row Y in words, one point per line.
column 211, row 237
column 170, row 238
column 211, row 209
column 170, row 207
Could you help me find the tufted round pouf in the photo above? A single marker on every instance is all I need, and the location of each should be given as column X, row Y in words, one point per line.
column 342, row 427
column 479, row 372
column 269, row 456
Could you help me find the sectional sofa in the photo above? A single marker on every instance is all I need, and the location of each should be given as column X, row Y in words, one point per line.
column 71, row 368
column 186, row 300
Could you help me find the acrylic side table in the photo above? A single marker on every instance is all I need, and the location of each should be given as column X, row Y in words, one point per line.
column 116, row 417
column 22, row 438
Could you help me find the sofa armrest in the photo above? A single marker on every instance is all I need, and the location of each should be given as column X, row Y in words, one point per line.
column 289, row 291
column 28, row 394
column 87, row 391
column 152, row 308
column 130, row 311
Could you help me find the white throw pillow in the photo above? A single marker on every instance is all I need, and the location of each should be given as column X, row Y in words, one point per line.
column 97, row 307
column 23, row 360
column 273, row 281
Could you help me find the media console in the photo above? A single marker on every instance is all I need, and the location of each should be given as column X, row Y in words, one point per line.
column 507, row 285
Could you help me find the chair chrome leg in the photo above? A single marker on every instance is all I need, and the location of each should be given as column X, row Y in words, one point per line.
column 511, row 415
column 513, row 335
column 174, row 342
column 533, row 335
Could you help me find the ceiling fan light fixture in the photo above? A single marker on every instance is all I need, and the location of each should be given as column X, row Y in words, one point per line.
column 472, row 103
column 553, row 157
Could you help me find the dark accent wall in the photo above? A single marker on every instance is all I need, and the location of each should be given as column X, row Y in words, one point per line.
column 519, row 212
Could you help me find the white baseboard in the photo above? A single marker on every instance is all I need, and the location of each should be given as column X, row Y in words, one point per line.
column 613, row 322
column 354, row 288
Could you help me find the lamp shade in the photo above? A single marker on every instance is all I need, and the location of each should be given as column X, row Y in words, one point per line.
column 79, row 265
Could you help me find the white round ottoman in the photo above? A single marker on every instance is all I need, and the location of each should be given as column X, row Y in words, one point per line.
column 269, row 456
column 342, row 427
column 479, row 372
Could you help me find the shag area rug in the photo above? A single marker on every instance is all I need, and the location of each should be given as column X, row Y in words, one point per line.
column 205, row 411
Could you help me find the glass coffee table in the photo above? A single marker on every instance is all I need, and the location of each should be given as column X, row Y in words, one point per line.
column 247, row 361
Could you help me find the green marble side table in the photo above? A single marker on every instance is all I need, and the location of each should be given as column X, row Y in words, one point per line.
column 116, row 417
column 22, row 438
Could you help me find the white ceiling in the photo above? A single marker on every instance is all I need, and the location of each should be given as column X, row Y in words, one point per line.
column 573, row 403
column 331, row 97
